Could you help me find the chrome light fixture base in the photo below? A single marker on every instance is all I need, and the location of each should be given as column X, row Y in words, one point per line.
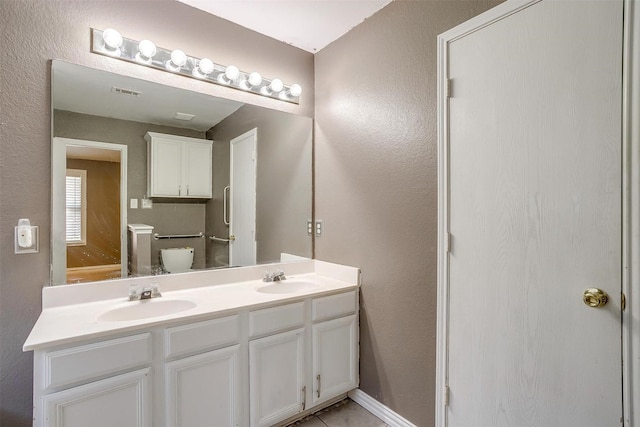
column 162, row 59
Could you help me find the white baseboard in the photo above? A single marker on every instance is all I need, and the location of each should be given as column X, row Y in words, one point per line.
column 378, row 409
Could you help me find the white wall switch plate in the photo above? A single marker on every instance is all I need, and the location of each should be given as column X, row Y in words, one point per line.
column 133, row 203
column 147, row 203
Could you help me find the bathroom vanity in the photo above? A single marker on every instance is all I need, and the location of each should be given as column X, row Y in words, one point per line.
column 219, row 348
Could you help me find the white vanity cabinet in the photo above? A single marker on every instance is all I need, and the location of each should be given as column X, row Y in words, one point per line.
column 203, row 389
column 277, row 364
column 286, row 375
column 93, row 404
column 335, row 359
column 178, row 167
column 79, row 386
column 335, row 346
column 250, row 367
column 277, row 384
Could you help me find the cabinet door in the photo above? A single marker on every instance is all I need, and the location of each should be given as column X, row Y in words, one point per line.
column 277, row 377
column 123, row 401
column 165, row 174
column 203, row 390
column 335, row 358
column 197, row 169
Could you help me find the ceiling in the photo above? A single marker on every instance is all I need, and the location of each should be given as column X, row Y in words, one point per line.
column 307, row 24
column 100, row 93
column 310, row 25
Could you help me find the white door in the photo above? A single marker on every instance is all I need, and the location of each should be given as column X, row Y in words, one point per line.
column 535, row 218
column 242, row 209
column 335, row 358
column 203, row 389
column 123, row 401
column 277, row 369
column 198, row 168
column 166, row 168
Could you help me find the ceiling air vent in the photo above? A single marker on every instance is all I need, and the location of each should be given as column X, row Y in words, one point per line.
column 184, row 116
column 122, row 91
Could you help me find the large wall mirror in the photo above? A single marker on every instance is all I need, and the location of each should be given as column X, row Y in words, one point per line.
column 106, row 222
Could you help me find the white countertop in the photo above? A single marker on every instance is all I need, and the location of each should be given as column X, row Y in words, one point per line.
column 78, row 320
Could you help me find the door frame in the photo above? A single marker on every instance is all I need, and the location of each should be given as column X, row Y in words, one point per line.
column 58, row 216
column 630, row 199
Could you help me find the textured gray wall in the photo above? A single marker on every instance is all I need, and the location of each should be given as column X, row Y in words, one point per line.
column 283, row 187
column 376, row 186
column 61, row 30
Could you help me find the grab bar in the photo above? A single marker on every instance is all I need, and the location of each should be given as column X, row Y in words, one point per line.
column 177, row 236
column 225, row 216
column 222, row 239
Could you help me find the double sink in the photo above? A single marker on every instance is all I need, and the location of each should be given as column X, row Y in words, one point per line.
column 163, row 306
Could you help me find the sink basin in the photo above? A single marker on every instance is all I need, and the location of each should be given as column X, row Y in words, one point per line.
column 288, row 287
column 145, row 309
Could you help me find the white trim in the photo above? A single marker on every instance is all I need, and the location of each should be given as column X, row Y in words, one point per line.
column 485, row 19
column 381, row 411
column 631, row 199
column 442, row 310
column 631, row 213
column 58, row 172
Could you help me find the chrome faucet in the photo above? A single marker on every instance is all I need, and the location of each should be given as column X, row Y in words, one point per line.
column 137, row 293
column 273, row 276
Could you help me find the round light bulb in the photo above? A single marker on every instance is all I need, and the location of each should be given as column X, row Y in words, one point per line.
column 255, row 79
column 232, row 73
column 178, row 57
column 276, row 85
column 205, row 66
column 147, row 49
column 112, row 38
column 295, row 90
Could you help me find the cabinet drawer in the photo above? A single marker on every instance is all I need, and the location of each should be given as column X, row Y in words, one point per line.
column 86, row 362
column 334, row 306
column 275, row 319
column 201, row 336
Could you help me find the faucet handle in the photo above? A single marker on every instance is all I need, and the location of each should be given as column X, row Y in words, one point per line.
column 134, row 292
column 155, row 291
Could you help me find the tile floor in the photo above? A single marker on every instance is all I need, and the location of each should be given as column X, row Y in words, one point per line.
column 343, row 414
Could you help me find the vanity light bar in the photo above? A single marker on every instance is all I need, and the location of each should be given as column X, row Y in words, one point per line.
column 110, row 43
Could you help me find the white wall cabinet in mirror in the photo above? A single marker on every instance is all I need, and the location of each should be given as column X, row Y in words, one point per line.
column 178, row 166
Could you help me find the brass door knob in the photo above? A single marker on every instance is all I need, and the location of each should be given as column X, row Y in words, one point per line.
column 595, row 297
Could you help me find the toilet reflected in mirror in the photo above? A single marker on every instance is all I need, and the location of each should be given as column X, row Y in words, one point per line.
column 176, row 260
